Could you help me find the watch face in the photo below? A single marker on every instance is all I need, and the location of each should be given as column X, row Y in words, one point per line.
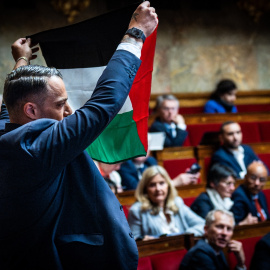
column 137, row 32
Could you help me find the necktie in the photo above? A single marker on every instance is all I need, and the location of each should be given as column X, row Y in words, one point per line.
column 259, row 209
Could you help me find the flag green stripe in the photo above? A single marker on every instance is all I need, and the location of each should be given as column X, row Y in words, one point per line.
column 126, row 142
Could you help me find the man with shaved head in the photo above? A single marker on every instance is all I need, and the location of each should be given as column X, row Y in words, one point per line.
column 249, row 200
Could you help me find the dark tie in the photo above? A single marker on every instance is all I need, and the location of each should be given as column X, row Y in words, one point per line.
column 259, row 209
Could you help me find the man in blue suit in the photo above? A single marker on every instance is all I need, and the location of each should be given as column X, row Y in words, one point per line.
column 249, row 200
column 207, row 254
column 56, row 210
column 233, row 153
column 131, row 171
column 169, row 121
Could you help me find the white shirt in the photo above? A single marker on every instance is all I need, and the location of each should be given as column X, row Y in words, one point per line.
column 239, row 155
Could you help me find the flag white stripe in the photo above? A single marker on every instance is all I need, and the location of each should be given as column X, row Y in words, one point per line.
column 80, row 84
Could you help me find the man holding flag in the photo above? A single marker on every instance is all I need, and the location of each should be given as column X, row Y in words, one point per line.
column 56, row 210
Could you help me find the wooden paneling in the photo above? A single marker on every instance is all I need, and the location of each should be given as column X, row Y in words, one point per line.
column 165, row 244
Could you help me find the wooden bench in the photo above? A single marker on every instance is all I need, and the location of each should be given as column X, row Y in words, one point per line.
column 190, row 102
column 176, row 160
column 164, row 252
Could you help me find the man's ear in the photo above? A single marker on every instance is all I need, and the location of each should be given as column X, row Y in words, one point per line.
column 205, row 230
column 31, row 110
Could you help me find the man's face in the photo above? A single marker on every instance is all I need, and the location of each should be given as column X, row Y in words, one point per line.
column 229, row 97
column 168, row 111
column 55, row 105
column 220, row 232
column 255, row 178
column 231, row 136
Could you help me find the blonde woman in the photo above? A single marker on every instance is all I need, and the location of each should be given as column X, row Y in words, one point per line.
column 158, row 210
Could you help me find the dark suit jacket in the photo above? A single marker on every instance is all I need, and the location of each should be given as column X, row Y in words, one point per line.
column 243, row 204
column 56, row 210
column 170, row 141
column 202, row 205
column 261, row 256
column 129, row 174
column 203, row 257
column 4, row 117
column 224, row 156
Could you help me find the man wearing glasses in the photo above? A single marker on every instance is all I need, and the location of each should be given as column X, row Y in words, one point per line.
column 249, row 200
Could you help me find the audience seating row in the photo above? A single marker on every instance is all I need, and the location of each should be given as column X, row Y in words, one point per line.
column 247, row 101
column 253, row 130
column 188, row 193
column 168, row 252
column 176, row 159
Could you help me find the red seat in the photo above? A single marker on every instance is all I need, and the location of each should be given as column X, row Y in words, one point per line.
column 253, row 108
column 264, row 129
column 169, row 260
column 248, row 246
column 126, row 209
column 196, row 131
column 267, row 195
column 250, row 131
column 144, row 264
column 176, row 166
column 265, row 158
column 188, row 201
column 190, row 110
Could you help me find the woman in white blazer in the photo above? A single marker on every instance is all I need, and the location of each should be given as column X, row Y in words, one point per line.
column 158, row 210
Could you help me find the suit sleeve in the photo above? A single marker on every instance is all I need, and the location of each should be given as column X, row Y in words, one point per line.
column 62, row 141
column 195, row 224
column 135, row 221
column 239, row 209
column 129, row 176
column 4, row 116
column 201, row 206
column 170, row 141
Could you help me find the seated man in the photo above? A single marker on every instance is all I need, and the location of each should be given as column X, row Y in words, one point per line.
column 131, row 173
column 261, row 258
column 207, row 253
column 233, row 153
column 169, row 121
column 248, row 198
column 131, row 170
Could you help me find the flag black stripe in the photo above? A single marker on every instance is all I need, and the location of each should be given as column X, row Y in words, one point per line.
column 89, row 43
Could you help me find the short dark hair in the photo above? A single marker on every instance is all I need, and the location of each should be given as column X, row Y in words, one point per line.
column 223, row 87
column 26, row 81
column 225, row 124
column 161, row 98
column 217, row 173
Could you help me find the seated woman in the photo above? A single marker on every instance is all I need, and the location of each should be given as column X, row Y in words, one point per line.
column 223, row 98
column 158, row 210
column 219, row 189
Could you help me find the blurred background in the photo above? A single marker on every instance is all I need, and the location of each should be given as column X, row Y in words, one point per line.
column 198, row 43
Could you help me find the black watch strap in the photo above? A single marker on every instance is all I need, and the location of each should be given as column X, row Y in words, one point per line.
column 137, row 33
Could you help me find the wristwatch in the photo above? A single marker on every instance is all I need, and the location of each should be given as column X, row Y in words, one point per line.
column 137, row 33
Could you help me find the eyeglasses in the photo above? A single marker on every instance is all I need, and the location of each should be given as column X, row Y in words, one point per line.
column 254, row 177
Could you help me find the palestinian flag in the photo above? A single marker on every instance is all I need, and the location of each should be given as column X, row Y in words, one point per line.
column 81, row 52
